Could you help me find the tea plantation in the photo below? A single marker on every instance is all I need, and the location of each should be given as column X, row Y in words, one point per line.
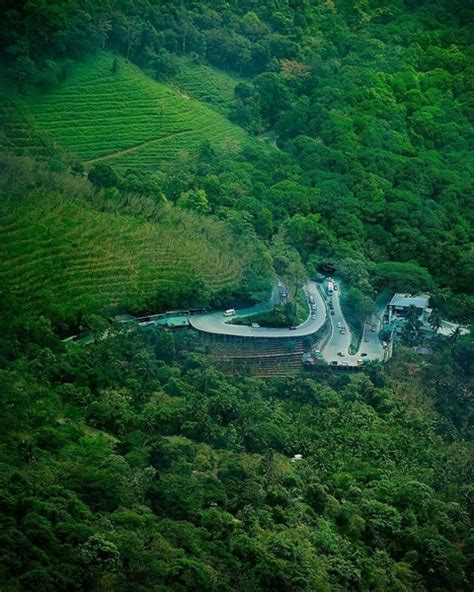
column 115, row 114
column 206, row 84
column 58, row 252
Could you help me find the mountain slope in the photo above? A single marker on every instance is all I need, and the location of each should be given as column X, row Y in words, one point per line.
column 69, row 250
column 122, row 117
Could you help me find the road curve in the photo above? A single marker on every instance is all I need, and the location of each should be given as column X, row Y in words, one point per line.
column 370, row 343
column 215, row 322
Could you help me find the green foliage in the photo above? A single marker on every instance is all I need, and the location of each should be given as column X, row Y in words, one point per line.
column 123, row 465
column 195, row 200
column 120, row 118
column 133, row 463
column 408, row 277
column 292, row 312
column 66, row 250
column 205, row 83
column 102, row 175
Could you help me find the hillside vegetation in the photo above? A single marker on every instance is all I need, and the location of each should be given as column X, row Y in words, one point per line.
column 68, row 253
column 122, row 117
column 133, row 465
column 206, row 84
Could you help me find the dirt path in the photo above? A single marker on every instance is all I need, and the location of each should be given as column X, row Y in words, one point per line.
column 145, row 144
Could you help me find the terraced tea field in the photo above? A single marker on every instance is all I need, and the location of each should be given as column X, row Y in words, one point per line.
column 123, row 118
column 61, row 251
column 206, row 84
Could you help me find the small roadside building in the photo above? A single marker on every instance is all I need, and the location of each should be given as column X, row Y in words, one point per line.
column 400, row 304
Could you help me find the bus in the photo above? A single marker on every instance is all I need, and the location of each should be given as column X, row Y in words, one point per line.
column 330, row 288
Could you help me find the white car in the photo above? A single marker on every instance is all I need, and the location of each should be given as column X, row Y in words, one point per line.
column 341, row 354
column 230, row 312
column 339, row 324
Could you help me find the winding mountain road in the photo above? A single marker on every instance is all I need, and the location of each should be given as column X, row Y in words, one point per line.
column 335, row 349
column 217, row 323
column 337, row 344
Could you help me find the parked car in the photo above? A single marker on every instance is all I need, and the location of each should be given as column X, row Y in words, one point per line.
column 344, row 363
column 341, row 354
column 230, row 312
column 255, row 326
column 313, row 316
column 339, row 324
column 366, row 339
column 293, row 327
column 363, row 355
column 333, row 313
column 342, row 331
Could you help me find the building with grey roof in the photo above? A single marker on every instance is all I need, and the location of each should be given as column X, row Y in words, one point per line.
column 400, row 304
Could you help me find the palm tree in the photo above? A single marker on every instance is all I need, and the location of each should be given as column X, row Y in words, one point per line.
column 435, row 320
column 455, row 335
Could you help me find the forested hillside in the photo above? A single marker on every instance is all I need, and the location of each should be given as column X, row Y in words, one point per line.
column 371, row 103
column 70, row 251
column 158, row 155
column 133, row 464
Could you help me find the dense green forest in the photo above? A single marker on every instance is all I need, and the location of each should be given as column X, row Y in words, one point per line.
column 158, row 155
column 133, row 464
column 371, row 103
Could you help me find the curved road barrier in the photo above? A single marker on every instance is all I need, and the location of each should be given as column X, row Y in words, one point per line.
column 218, row 324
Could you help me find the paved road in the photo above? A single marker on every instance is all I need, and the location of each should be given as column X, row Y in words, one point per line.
column 338, row 342
column 371, row 344
column 216, row 322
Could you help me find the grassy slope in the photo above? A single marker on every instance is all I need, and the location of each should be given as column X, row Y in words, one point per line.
column 56, row 250
column 126, row 119
column 206, row 84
